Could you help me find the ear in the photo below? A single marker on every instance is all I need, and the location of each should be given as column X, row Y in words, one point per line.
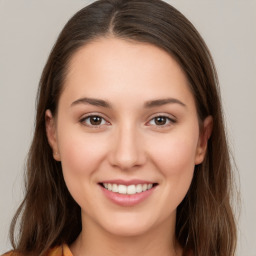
column 204, row 136
column 50, row 126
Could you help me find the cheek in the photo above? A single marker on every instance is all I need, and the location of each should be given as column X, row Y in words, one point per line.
column 176, row 154
column 80, row 153
column 81, row 156
column 181, row 156
column 175, row 159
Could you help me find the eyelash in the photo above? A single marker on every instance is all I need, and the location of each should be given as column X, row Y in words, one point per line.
column 167, row 119
column 89, row 118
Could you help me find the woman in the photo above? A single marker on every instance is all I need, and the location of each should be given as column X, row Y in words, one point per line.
column 129, row 152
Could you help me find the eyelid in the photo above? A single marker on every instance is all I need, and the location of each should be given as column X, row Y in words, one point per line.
column 171, row 118
column 86, row 116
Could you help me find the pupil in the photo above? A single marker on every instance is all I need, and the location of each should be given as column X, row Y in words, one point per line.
column 160, row 120
column 95, row 120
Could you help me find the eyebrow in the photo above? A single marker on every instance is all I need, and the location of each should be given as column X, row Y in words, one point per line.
column 161, row 102
column 92, row 101
column 148, row 104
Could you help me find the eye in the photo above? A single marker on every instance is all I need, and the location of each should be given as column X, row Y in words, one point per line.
column 161, row 121
column 93, row 120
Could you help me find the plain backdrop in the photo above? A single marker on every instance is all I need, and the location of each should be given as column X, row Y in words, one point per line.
column 28, row 30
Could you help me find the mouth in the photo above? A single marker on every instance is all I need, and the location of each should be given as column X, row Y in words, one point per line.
column 128, row 192
column 130, row 189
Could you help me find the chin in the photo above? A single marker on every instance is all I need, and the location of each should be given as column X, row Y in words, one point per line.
column 130, row 225
column 124, row 230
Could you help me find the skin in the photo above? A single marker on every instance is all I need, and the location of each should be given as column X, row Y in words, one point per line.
column 127, row 144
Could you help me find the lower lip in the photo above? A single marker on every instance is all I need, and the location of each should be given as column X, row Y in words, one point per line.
column 127, row 200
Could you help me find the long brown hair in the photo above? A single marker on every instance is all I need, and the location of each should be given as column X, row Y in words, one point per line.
column 48, row 216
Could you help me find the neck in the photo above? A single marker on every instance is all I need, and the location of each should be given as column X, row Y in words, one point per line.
column 96, row 241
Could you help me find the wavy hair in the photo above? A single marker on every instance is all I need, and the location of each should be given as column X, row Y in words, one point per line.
column 48, row 215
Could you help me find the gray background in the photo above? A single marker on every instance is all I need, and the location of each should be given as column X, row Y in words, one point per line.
column 28, row 29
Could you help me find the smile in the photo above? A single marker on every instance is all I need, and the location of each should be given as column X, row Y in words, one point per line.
column 129, row 190
column 127, row 193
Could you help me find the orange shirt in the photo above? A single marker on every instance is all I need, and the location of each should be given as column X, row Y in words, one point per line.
column 62, row 250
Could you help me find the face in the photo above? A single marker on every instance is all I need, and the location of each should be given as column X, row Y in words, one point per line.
column 127, row 135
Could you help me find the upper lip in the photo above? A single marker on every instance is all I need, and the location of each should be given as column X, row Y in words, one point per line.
column 127, row 182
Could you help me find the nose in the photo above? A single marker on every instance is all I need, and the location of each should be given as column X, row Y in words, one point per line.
column 127, row 149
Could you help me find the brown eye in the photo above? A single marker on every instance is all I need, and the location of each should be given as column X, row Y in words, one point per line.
column 160, row 120
column 93, row 121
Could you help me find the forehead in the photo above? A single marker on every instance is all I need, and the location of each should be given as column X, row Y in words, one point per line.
column 112, row 66
column 130, row 55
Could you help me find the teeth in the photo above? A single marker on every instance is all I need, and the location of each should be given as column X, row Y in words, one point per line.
column 144, row 187
column 115, row 188
column 139, row 188
column 150, row 186
column 122, row 189
column 129, row 190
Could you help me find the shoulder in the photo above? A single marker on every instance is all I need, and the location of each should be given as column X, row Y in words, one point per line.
column 11, row 253
column 62, row 250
